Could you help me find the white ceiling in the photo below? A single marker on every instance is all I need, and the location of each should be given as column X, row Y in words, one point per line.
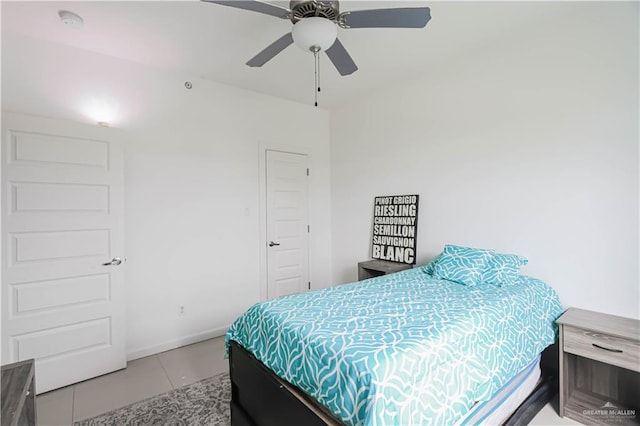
column 213, row 42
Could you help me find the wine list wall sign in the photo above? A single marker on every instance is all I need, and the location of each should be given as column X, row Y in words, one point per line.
column 395, row 224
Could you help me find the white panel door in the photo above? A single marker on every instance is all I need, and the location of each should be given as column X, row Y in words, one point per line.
column 287, row 224
column 62, row 212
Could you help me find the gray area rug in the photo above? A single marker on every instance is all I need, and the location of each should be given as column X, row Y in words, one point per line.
column 202, row 403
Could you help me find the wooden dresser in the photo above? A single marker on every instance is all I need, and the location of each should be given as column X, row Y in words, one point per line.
column 599, row 368
column 19, row 394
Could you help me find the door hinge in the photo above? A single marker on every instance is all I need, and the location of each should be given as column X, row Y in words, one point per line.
column 307, row 171
column 309, row 285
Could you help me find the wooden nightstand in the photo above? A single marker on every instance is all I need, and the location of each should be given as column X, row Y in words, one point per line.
column 599, row 368
column 376, row 268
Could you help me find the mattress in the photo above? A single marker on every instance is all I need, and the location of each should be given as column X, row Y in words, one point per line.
column 403, row 348
column 507, row 400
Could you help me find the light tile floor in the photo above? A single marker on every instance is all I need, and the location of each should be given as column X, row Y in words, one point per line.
column 156, row 374
column 143, row 378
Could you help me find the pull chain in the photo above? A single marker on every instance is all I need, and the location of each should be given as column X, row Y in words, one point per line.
column 317, row 77
column 318, row 61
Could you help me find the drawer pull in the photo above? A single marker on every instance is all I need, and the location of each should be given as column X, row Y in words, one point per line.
column 618, row 351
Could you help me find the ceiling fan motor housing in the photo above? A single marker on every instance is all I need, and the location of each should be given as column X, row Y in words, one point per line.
column 301, row 9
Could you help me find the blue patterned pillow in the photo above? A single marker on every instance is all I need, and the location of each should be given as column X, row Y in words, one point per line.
column 431, row 265
column 503, row 269
column 463, row 265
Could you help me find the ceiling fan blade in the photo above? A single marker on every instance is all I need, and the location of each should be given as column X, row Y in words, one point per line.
column 270, row 51
column 406, row 17
column 341, row 59
column 255, row 6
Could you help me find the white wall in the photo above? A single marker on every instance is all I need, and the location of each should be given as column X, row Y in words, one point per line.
column 192, row 209
column 528, row 144
column 191, row 181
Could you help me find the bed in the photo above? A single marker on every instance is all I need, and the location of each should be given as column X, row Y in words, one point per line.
column 406, row 348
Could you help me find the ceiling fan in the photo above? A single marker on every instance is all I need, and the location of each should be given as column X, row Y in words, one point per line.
column 315, row 26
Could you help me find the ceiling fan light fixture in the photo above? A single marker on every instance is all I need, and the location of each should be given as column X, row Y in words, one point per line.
column 314, row 34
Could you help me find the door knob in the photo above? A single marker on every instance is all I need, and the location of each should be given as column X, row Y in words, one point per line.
column 115, row 262
column 271, row 244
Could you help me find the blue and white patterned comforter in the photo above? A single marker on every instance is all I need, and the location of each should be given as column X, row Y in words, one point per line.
column 402, row 349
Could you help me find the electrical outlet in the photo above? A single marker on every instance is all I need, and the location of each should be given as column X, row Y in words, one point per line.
column 180, row 310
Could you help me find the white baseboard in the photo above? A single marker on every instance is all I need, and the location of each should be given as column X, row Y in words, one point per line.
column 176, row 343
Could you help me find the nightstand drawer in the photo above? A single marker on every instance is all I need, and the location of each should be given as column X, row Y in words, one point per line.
column 602, row 347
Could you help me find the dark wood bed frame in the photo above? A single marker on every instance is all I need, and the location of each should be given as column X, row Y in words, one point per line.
column 260, row 398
